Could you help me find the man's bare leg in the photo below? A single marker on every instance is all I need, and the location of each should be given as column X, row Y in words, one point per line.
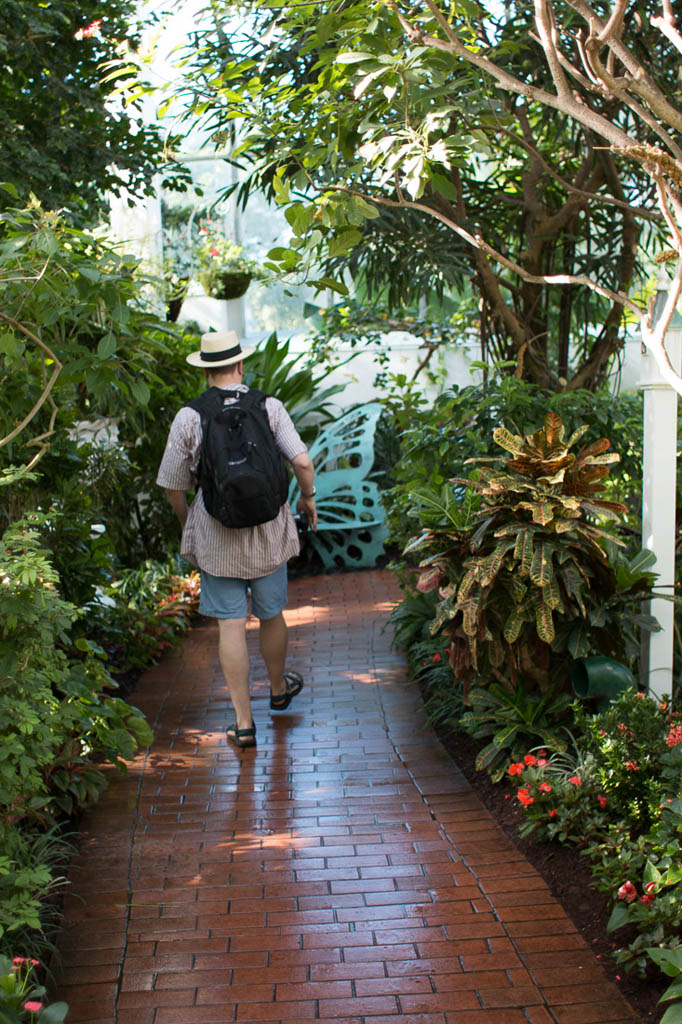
column 273, row 645
column 234, row 661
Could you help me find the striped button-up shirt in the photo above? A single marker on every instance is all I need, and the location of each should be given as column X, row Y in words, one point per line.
column 246, row 553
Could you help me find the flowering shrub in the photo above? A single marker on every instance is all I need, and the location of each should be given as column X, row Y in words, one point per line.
column 627, row 741
column 618, row 798
column 21, row 998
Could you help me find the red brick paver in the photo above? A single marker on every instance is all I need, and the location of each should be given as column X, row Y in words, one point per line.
column 343, row 871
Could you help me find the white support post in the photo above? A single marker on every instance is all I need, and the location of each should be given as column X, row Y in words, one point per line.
column 659, row 487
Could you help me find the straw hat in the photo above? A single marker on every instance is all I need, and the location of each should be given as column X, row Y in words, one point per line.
column 219, row 348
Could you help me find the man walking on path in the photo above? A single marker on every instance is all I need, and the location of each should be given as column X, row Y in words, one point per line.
column 235, row 560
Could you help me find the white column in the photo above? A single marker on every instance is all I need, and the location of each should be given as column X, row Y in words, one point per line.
column 658, row 508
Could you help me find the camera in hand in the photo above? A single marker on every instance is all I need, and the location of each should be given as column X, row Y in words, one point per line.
column 301, row 521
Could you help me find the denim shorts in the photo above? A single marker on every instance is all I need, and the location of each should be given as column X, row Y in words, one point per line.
column 224, row 597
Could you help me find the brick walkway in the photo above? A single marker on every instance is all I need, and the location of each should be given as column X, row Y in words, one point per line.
column 344, row 871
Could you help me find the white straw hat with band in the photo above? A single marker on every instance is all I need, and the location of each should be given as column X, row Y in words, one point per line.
column 219, row 348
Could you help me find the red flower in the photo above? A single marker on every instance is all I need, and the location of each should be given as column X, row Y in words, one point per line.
column 33, row 1006
column 550, row 814
column 632, row 766
column 627, row 892
column 436, row 657
column 545, row 787
column 650, row 888
column 646, row 900
column 214, row 251
column 674, row 736
column 575, row 780
column 602, row 801
column 90, row 30
column 515, row 769
column 530, row 759
column 524, row 797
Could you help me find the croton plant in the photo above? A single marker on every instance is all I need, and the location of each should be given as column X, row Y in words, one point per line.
column 534, row 578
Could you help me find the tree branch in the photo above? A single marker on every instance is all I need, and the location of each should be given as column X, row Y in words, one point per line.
column 58, row 367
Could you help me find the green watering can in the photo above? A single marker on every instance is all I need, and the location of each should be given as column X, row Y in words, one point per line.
column 601, row 679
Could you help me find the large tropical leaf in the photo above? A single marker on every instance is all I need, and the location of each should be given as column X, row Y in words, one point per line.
column 541, row 572
column 554, row 429
column 544, row 622
column 510, row 442
column 579, row 640
column 493, row 563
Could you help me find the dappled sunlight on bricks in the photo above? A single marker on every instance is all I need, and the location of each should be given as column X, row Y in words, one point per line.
column 342, row 871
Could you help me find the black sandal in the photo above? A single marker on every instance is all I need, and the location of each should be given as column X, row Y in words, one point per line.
column 241, row 737
column 293, row 682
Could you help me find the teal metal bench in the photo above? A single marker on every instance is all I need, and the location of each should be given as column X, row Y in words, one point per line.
column 351, row 530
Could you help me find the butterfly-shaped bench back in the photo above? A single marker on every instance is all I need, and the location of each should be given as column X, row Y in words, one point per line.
column 351, row 528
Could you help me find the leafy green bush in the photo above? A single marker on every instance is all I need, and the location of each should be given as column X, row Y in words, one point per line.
column 54, row 716
column 143, row 612
column 515, row 721
column 438, row 437
column 525, row 584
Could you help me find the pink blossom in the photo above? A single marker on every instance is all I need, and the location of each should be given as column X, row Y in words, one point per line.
column 674, row 736
column 575, row 780
column 33, row 1006
column 627, row 892
column 542, row 761
column 545, row 787
column 93, row 29
column 214, row 251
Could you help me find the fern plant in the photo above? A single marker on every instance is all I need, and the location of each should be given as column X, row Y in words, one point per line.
column 527, row 584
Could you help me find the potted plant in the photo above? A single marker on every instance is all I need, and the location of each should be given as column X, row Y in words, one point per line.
column 223, row 271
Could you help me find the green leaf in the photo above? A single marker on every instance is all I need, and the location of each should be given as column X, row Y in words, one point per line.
column 673, row 1015
column 619, row 917
column 673, row 991
column 443, row 185
column 106, row 347
column 667, row 960
column 354, row 57
column 140, row 391
column 579, row 638
column 329, row 282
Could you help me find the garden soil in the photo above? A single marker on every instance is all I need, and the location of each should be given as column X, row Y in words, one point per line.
column 567, row 875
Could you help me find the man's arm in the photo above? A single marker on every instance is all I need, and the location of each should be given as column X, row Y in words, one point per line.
column 178, row 502
column 305, row 474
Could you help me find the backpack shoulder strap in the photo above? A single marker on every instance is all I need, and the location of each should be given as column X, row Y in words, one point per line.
column 207, row 403
column 249, row 399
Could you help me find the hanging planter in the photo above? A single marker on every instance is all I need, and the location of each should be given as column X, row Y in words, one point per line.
column 224, row 272
column 225, row 283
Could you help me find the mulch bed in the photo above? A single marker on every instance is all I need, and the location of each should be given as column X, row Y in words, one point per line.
column 568, row 876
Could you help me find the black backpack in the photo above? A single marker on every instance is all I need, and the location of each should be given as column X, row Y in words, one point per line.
column 242, row 474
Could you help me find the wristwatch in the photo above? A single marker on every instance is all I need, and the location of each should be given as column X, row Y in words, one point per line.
column 311, row 495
